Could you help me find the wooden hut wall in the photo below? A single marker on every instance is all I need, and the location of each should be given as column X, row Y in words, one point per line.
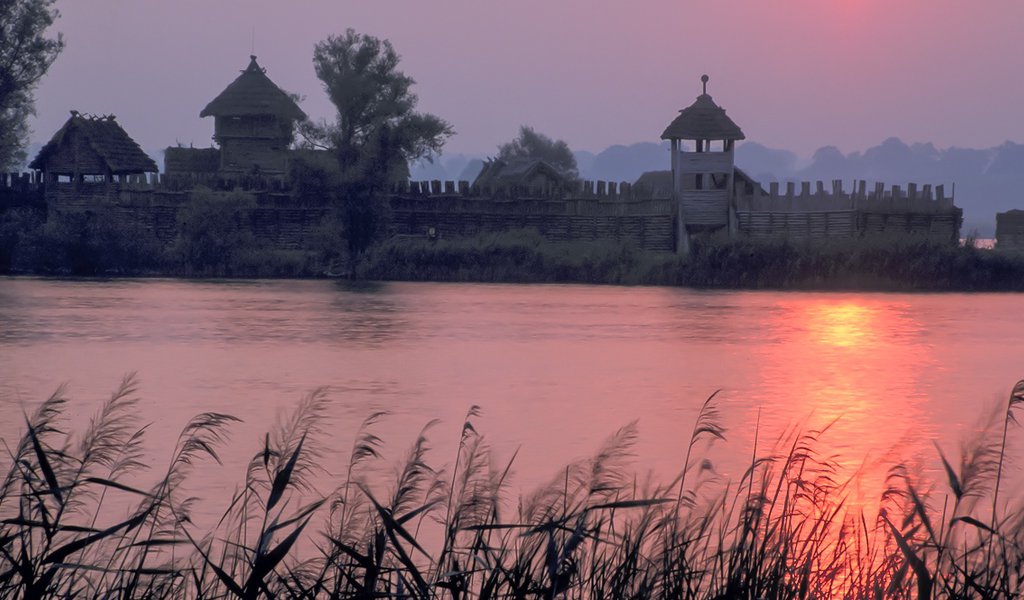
column 1010, row 230
column 256, row 126
column 246, row 155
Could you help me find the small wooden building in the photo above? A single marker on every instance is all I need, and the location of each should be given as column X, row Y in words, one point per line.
column 526, row 173
column 88, row 158
column 254, row 124
column 1010, row 230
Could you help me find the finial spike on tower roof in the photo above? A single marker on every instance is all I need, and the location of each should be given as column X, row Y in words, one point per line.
column 704, row 80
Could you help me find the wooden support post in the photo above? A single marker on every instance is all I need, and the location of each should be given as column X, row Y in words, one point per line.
column 682, row 238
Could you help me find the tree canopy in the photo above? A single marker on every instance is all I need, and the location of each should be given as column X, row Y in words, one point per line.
column 25, row 56
column 535, row 145
column 378, row 130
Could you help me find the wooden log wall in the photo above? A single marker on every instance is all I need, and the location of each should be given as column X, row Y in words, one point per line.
column 921, row 212
column 20, row 189
column 799, row 225
column 708, row 208
column 584, row 211
column 645, row 223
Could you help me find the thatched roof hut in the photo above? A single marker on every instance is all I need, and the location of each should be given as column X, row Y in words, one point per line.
column 519, row 172
column 253, row 93
column 92, row 145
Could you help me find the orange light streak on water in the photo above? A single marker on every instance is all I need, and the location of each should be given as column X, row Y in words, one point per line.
column 853, row 365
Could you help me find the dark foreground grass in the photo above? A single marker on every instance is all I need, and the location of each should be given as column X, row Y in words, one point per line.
column 783, row 530
column 715, row 262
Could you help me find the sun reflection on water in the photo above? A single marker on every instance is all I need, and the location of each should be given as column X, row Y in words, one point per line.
column 843, row 325
column 852, row 365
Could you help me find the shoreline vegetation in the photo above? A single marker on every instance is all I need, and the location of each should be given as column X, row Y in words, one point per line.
column 786, row 529
column 214, row 242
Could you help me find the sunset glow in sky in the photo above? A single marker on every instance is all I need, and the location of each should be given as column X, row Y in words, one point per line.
column 796, row 74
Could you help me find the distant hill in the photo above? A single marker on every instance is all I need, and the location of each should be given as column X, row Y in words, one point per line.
column 627, row 163
column 448, row 167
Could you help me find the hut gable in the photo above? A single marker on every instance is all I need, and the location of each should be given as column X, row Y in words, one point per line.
column 253, row 93
column 523, row 172
column 703, row 120
column 92, row 145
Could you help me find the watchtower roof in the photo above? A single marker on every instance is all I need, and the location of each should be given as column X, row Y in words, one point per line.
column 115, row 147
column 253, row 93
column 703, row 120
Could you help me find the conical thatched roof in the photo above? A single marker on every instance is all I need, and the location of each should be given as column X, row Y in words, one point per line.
column 104, row 135
column 253, row 93
column 703, row 120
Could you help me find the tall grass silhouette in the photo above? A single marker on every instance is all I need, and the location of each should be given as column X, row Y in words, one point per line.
column 786, row 529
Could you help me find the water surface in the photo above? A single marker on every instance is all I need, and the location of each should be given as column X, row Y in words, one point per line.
column 554, row 368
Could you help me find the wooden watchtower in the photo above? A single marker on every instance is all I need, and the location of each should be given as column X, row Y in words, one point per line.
column 254, row 123
column 702, row 180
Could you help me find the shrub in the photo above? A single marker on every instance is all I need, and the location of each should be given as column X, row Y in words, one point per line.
column 214, row 233
column 87, row 243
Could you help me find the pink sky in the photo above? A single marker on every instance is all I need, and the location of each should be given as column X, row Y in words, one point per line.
column 797, row 74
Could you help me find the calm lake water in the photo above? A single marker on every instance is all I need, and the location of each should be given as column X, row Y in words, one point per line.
column 555, row 369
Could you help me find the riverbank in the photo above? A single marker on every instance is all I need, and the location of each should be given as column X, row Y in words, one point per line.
column 212, row 244
column 525, row 257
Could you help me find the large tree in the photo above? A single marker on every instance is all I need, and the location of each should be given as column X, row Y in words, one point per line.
column 376, row 108
column 377, row 131
column 533, row 144
column 25, row 55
